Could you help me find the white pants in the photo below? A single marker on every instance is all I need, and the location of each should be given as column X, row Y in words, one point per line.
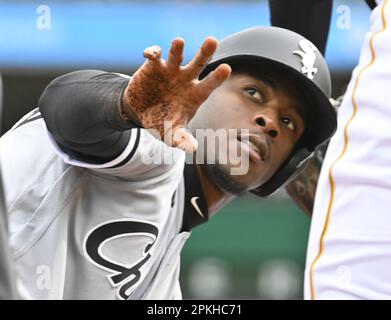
column 349, row 249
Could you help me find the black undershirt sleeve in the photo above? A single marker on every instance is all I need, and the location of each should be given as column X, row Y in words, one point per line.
column 310, row 18
column 82, row 111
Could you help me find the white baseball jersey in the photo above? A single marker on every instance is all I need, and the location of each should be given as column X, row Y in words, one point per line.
column 349, row 250
column 85, row 231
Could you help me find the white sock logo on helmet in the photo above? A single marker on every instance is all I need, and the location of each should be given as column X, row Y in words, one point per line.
column 308, row 57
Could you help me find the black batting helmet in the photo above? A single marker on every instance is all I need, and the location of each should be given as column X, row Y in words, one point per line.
column 299, row 60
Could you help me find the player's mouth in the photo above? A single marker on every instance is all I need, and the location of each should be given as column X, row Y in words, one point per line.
column 256, row 147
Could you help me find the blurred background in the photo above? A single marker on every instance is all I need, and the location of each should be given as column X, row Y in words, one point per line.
column 253, row 249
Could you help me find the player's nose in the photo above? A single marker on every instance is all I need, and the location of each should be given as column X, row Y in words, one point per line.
column 268, row 122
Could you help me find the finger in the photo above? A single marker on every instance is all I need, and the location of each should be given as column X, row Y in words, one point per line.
column 175, row 56
column 214, row 79
column 202, row 57
column 183, row 139
column 153, row 53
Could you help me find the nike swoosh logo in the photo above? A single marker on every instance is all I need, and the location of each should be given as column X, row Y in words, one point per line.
column 195, row 205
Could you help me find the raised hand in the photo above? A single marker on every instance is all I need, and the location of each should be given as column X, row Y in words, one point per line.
column 166, row 91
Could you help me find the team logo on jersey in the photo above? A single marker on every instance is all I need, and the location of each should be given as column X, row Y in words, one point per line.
column 121, row 275
column 308, row 57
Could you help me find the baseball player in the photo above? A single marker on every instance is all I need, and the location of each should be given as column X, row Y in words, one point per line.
column 348, row 254
column 94, row 216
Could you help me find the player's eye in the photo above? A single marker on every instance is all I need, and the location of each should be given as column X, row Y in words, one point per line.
column 254, row 93
column 288, row 122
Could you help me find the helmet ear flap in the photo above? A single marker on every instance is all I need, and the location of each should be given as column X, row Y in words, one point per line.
column 292, row 167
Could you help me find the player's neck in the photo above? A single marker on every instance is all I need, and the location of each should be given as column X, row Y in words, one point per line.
column 215, row 198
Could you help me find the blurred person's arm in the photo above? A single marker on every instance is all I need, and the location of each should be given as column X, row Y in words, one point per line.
column 310, row 18
column 7, row 277
column 82, row 110
column 302, row 189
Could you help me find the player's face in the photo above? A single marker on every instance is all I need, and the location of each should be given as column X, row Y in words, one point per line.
column 272, row 115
